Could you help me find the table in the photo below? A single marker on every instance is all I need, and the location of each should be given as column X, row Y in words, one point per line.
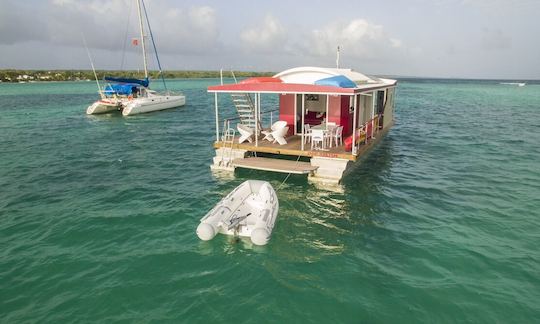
column 324, row 127
column 328, row 131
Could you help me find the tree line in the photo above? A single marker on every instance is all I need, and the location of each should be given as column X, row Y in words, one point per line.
column 82, row 75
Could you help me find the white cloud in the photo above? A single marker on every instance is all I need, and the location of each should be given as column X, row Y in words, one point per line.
column 359, row 38
column 104, row 24
column 186, row 31
column 395, row 42
column 271, row 36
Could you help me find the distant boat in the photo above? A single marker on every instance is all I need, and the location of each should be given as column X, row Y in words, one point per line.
column 133, row 96
column 519, row 84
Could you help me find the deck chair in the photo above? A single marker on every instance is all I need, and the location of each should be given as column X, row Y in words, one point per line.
column 317, row 139
column 246, row 133
column 275, row 126
column 337, row 135
column 307, row 133
column 279, row 135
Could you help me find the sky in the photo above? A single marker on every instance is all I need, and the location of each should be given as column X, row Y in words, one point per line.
column 438, row 38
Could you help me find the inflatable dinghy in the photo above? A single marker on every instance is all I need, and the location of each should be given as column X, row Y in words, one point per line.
column 250, row 210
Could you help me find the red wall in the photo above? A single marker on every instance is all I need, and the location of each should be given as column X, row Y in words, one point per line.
column 286, row 110
column 346, row 116
column 338, row 112
column 334, row 110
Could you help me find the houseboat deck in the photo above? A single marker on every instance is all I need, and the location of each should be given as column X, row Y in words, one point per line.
column 294, row 148
column 320, row 102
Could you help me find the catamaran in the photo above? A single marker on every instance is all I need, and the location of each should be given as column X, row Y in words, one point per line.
column 133, row 96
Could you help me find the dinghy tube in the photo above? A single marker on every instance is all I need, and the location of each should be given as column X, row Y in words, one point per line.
column 250, row 210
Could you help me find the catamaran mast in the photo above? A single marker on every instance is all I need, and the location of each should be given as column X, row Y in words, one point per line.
column 142, row 39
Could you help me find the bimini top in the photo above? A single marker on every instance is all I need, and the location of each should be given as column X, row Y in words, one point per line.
column 309, row 80
column 120, row 89
column 144, row 82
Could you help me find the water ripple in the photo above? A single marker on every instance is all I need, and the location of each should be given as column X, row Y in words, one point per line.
column 438, row 224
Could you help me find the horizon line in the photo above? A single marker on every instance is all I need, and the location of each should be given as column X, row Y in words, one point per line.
column 252, row 71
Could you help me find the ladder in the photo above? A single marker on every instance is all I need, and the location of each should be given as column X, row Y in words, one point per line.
column 245, row 108
column 228, row 144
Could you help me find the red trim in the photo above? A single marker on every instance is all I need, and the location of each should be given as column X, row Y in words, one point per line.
column 280, row 88
column 261, row 80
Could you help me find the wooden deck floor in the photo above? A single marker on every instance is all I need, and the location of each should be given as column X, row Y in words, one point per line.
column 293, row 147
column 275, row 165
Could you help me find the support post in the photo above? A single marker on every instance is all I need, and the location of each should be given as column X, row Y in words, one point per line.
column 353, row 149
column 217, row 116
column 259, row 100
column 373, row 100
column 303, row 116
column 295, row 114
column 255, row 115
column 327, row 109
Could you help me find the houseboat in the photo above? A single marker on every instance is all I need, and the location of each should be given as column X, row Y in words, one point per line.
column 322, row 122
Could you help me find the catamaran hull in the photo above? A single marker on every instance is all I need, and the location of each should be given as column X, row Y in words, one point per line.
column 154, row 103
column 102, row 107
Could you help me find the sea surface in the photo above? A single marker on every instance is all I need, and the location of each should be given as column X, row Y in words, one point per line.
column 439, row 224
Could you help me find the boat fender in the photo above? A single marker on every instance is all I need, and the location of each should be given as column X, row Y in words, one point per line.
column 206, row 231
column 260, row 236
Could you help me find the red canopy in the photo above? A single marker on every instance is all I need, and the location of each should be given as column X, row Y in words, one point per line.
column 261, row 80
column 278, row 87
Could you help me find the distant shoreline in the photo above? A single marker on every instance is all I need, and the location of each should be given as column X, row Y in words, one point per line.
column 23, row 76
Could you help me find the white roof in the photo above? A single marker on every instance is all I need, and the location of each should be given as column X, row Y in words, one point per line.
column 309, row 74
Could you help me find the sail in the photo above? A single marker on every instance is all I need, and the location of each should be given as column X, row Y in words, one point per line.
column 144, row 82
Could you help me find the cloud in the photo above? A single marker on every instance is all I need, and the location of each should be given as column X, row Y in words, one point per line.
column 359, row 38
column 104, row 23
column 17, row 25
column 271, row 36
column 187, row 31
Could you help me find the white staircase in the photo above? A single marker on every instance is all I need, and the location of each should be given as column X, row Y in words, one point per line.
column 245, row 109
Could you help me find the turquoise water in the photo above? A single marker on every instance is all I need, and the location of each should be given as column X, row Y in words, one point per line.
column 440, row 223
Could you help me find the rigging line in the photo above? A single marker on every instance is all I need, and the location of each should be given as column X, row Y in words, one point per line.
column 92, row 64
column 154, row 44
column 288, row 175
column 125, row 37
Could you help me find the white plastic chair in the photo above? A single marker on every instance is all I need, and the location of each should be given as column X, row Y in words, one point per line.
column 317, row 137
column 337, row 135
column 307, row 133
column 279, row 135
column 246, row 133
column 329, row 134
column 275, row 126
